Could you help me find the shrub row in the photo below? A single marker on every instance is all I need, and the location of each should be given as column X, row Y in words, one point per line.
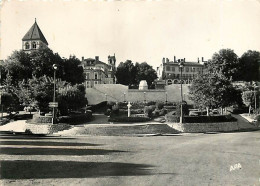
column 201, row 119
column 75, row 119
column 129, row 119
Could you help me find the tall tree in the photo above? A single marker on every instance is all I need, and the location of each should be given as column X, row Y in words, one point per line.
column 18, row 66
column 126, row 73
column 212, row 90
column 71, row 98
column 73, row 72
column 248, row 99
column 224, row 62
column 42, row 61
column 249, row 66
column 145, row 72
column 23, row 66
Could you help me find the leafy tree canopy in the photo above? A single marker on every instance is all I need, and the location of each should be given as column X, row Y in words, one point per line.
column 212, row 91
column 224, row 62
column 249, row 66
column 126, row 73
column 129, row 74
column 23, row 66
column 145, row 72
column 73, row 71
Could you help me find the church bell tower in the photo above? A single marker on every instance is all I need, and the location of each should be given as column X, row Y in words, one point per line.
column 33, row 39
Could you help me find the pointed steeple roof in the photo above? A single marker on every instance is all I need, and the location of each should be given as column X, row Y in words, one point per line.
column 35, row 33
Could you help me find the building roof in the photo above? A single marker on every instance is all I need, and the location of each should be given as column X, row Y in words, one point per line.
column 94, row 62
column 35, row 33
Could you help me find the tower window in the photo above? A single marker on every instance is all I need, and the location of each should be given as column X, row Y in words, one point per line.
column 34, row 45
column 27, row 46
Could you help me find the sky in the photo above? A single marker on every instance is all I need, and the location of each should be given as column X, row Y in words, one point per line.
column 136, row 30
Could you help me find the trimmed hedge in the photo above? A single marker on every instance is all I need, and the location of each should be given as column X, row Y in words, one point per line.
column 98, row 107
column 75, row 119
column 201, row 119
column 129, row 119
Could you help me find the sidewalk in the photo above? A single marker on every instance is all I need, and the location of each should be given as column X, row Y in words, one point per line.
column 15, row 126
column 244, row 124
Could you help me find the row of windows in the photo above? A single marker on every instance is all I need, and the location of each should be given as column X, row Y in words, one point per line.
column 187, row 69
column 88, row 83
column 185, row 76
column 27, row 45
column 95, row 75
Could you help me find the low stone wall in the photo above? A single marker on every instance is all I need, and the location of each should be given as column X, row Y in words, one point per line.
column 41, row 119
column 46, row 128
column 205, row 127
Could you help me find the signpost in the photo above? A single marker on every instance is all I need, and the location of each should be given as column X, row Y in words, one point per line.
column 53, row 104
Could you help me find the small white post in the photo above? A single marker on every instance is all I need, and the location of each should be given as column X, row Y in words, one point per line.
column 129, row 106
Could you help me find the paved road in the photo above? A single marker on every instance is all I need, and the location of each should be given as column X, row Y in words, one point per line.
column 191, row 159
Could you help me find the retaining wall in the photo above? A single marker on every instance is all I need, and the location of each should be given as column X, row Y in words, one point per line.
column 115, row 92
column 46, row 128
column 205, row 127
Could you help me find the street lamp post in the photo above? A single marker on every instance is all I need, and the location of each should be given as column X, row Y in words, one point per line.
column 166, row 97
column 2, row 110
column 181, row 67
column 55, row 67
column 255, row 95
column 144, row 97
column 124, row 98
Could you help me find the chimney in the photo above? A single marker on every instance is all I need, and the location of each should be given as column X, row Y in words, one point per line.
column 202, row 59
column 198, row 60
column 184, row 59
column 97, row 58
column 174, row 59
column 163, row 60
column 178, row 60
column 82, row 58
column 167, row 60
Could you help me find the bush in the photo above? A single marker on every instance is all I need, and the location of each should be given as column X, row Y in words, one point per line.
column 155, row 113
column 185, row 109
column 122, row 105
column 138, row 105
column 200, row 119
column 76, row 118
column 149, row 103
column 22, row 117
column 108, row 112
column 129, row 119
column 110, row 104
column 159, row 105
column 162, row 112
column 148, row 110
column 98, row 107
column 115, row 110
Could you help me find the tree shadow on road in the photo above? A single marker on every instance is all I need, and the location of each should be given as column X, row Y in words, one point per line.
column 46, row 143
column 55, row 151
column 70, row 169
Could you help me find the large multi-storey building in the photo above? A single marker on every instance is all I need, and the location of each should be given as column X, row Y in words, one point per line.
column 171, row 69
column 33, row 39
column 98, row 72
